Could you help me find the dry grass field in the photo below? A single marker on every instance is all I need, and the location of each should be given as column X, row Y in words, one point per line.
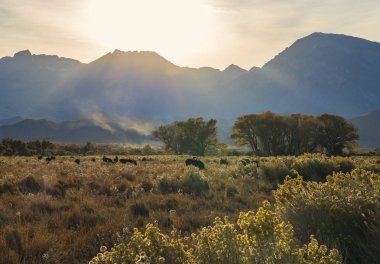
column 63, row 212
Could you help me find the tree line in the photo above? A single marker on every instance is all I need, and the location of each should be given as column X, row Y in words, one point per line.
column 266, row 134
column 14, row 147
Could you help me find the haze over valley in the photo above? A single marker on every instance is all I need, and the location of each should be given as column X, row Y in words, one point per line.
column 320, row 73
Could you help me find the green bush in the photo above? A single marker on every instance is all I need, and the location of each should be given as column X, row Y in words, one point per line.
column 314, row 167
column 274, row 171
column 194, row 182
column 343, row 212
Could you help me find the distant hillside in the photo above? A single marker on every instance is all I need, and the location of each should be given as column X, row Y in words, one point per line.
column 369, row 129
column 81, row 131
column 320, row 73
column 10, row 121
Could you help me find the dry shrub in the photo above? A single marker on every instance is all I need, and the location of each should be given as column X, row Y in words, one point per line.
column 168, row 185
column 30, row 185
column 139, row 209
column 194, row 182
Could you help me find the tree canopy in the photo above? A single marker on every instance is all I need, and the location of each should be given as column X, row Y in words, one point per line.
column 193, row 136
column 271, row 134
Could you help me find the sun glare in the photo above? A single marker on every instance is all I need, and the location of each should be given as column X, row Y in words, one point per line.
column 170, row 27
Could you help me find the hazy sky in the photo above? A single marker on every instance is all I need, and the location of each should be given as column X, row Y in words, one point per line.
column 192, row 33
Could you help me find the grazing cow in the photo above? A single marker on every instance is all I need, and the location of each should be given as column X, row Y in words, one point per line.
column 40, row 157
column 195, row 162
column 223, row 161
column 245, row 161
column 128, row 161
column 77, row 161
column 116, row 159
column 107, row 160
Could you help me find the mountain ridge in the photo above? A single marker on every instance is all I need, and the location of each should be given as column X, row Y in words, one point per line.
column 320, row 73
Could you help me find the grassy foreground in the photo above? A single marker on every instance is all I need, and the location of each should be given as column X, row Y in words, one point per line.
column 62, row 212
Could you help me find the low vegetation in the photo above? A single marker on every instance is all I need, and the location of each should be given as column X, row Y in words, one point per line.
column 257, row 210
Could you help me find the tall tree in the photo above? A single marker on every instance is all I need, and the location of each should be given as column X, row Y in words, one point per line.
column 271, row 134
column 245, row 132
column 336, row 134
column 168, row 134
column 193, row 136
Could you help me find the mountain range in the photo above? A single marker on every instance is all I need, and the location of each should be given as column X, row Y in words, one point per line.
column 320, row 73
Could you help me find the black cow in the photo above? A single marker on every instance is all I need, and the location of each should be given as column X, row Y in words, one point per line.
column 52, row 157
column 40, row 157
column 107, row 160
column 195, row 162
column 77, row 161
column 124, row 161
column 116, row 159
column 245, row 161
column 93, row 159
column 223, row 161
column 48, row 159
column 378, row 161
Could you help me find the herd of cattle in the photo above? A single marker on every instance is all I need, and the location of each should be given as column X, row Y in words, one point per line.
column 194, row 161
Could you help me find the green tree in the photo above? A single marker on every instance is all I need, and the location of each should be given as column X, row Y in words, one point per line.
column 12, row 147
column 147, row 150
column 245, row 132
column 336, row 134
column 88, row 149
column 169, row 136
column 271, row 134
column 193, row 136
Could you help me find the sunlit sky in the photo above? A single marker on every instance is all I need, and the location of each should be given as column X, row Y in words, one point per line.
column 191, row 33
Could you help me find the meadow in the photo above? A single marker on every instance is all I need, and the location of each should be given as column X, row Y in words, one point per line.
column 63, row 212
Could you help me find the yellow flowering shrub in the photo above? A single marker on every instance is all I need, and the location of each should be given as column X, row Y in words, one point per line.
column 344, row 211
column 259, row 237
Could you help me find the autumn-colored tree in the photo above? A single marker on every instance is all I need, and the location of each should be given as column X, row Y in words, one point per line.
column 271, row 134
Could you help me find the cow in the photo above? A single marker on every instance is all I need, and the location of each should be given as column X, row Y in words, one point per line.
column 107, row 160
column 77, row 161
column 195, row 162
column 223, row 161
column 40, row 157
column 124, row 161
column 93, row 159
column 48, row 159
column 245, row 161
column 116, row 159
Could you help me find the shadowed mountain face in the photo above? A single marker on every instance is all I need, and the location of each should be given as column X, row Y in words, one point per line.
column 71, row 132
column 321, row 73
column 369, row 129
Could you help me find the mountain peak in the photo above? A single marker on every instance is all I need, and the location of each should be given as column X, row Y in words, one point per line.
column 134, row 59
column 234, row 67
column 22, row 54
